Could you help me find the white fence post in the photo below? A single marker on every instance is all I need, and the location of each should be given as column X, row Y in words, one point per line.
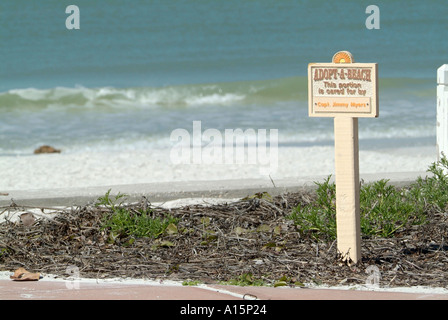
column 442, row 111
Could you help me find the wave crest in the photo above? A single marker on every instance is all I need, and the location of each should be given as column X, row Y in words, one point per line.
column 195, row 95
column 244, row 93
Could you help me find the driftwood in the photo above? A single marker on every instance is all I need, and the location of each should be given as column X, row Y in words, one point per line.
column 251, row 236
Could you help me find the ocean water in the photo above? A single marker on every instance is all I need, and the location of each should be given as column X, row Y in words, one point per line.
column 136, row 71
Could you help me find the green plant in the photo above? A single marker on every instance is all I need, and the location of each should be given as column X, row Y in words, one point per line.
column 245, row 279
column 432, row 191
column 259, row 195
column 123, row 222
column 191, row 282
column 384, row 209
column 109, row 203
column 318, row 218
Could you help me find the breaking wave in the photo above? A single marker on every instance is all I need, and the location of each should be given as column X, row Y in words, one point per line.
column 195, row 95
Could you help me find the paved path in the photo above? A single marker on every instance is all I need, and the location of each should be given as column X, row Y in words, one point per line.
column 90, row 290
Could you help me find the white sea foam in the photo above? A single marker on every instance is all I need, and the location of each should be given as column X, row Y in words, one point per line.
column 193, row 95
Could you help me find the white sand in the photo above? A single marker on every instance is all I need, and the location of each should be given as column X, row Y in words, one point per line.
column 67, row 170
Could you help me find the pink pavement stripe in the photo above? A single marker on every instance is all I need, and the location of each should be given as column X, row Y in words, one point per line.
column 58, row 290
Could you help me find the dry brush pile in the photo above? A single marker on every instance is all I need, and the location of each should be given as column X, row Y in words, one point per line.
column 254, row 238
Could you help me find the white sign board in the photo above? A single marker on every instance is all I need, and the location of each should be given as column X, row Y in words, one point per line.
column 349, row 89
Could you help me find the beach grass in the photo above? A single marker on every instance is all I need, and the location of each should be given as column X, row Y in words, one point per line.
column 432, row 191
column 384, row 208
column 125, row 222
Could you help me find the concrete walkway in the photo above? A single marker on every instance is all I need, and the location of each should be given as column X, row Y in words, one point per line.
column 142, row 290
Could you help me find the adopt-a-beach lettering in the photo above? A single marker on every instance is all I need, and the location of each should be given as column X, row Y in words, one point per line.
column 337, row 88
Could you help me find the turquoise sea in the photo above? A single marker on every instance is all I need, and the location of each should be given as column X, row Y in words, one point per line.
column 137, row 70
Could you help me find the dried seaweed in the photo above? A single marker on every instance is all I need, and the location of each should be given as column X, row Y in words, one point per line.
column 218, row 243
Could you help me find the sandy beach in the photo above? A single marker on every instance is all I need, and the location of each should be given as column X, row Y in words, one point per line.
column 90, row 169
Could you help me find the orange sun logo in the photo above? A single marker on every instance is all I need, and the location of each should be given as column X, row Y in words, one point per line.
column 343, row 57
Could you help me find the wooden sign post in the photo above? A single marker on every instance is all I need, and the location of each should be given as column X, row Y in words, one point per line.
column 346, row 91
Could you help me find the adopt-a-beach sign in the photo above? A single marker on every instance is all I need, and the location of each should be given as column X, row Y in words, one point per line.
column 346, row 91
column 342, row 88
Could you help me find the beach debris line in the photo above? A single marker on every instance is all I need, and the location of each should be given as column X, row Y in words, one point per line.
column 46, row 149
column 252, row 241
